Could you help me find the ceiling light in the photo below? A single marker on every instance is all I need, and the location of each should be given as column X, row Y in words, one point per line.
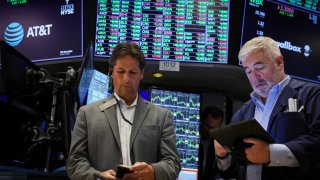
column 157, row 75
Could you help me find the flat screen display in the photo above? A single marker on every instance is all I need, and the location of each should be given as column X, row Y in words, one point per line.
column 180, row 30
column 294, row 25
column 85, row 75
column 98, row 88
column 43, row 30
column 185, row 108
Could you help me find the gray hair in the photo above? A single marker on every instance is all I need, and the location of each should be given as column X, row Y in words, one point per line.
column 265, row 44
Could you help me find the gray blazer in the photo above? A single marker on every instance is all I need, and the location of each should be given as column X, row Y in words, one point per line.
column 96, row 146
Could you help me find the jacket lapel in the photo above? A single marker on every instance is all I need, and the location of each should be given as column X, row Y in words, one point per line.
column 290, row 91
column 109, row 108
column 139, row 117
column 249, row 111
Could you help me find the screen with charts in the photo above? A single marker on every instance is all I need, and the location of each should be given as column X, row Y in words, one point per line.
column 98, row 88
column 294, row 25
column 182, row 30
column 185, row 108
column 43, row 30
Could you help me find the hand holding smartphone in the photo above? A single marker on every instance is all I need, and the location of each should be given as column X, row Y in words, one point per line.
column 122, row 170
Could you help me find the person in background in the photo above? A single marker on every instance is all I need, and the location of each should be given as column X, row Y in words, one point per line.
column 296, row 130
column 211, row 118
column 124, row 129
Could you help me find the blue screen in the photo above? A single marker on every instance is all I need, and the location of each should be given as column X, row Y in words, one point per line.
column 98, row 88
column 144, row 94
column 85, row 75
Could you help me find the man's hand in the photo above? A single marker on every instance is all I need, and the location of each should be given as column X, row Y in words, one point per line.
column 142, row 171
column 110, row 174
column 219, row 150
column 259, row 152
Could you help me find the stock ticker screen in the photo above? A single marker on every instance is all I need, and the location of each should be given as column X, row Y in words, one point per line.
column 311, row 5
column 182, row 30
column 294, row 25
column 185, row 108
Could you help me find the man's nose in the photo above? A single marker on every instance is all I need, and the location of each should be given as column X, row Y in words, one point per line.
column 126, row 77
column 255, row 74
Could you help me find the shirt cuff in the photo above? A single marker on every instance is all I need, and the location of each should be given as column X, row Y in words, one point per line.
column 223, row 164
column 280, row 155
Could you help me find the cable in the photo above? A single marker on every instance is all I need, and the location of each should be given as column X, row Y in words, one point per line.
column 122, row 112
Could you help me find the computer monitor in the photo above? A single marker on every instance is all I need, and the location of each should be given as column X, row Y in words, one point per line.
column 184, row 31
column 294, row 25
column 43, row 30
column 92, row 85
column 85, row 75
column 185, row 108
column 98, row 88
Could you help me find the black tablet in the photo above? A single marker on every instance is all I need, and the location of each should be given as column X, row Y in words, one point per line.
column 231, row 137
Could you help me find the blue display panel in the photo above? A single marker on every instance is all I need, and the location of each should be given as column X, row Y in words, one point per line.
column 98, row 88
column 185, row 108
column 85, row 74
column 43, row 30
column 294, row 25
column 179, row 30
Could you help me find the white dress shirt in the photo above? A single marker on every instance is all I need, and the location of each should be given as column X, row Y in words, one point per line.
column 124, row 127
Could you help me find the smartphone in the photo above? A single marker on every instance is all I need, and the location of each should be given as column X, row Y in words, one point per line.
column 122, row 170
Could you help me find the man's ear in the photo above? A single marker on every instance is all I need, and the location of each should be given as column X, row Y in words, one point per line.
column 142, row 74
column 110, row 72
column 280, row 60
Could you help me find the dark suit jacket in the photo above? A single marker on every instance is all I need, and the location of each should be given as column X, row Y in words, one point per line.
column 210, row 169
column 300, row 132
column 96, row 146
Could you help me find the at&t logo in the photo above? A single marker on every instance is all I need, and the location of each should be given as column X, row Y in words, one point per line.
column 13, row 34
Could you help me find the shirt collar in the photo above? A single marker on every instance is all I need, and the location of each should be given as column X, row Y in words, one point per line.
column 277, row 88
column 123, row 102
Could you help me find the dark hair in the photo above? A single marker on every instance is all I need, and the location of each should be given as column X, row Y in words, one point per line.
column 213, row 111
column 128, row 48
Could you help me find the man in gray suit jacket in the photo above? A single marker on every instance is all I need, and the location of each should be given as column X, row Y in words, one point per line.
column 124, row 129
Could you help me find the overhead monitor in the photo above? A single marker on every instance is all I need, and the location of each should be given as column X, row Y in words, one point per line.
column 187, row 31
column 185, row 108
column 43, row 30
column 294, row 25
